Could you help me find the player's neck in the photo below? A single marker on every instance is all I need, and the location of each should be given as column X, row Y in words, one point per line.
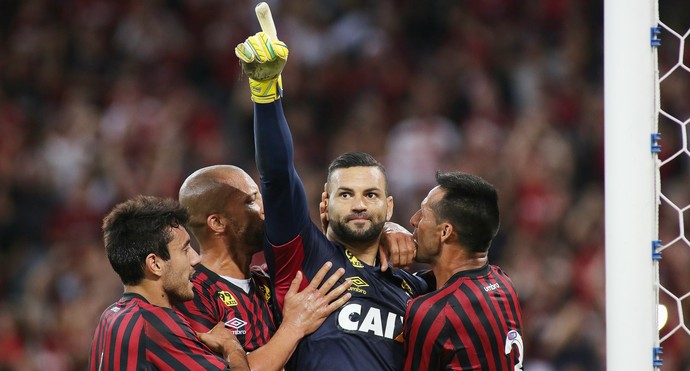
column 449, row 264
column 226, row 261
column 152, row 292
column 365, row 252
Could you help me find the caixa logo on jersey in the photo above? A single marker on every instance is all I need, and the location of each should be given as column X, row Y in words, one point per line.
column 361, row 318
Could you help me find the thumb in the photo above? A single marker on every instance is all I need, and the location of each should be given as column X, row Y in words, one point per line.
column 383, row 259
column 294, row 285
column 280, row 49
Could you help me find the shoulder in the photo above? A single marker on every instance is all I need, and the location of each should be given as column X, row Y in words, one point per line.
column 413, row 284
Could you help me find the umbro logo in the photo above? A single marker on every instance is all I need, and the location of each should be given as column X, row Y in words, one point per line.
column 236, row 326
column 357, row 284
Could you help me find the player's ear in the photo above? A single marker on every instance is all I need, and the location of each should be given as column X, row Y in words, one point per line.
column 215, row 223
column 446, row 232
column 389, row 213
column 153, row 264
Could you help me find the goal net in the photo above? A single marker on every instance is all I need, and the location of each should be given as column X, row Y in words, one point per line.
column 647, row 102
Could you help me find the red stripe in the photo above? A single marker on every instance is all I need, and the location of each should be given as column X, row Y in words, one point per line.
column 288, row 260
column 508, row 285
column 498, row 328
column 477, row 324
column 454, row 318
column 134, row 340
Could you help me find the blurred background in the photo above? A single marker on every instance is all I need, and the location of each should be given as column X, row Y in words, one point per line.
column 101, row 100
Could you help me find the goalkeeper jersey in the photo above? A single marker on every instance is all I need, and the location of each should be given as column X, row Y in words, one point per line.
column 364, row 333
column 248, row 315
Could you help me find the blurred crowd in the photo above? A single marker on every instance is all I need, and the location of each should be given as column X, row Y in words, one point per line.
column 101, row 100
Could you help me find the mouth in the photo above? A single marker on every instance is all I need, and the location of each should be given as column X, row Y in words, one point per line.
column 358, row 218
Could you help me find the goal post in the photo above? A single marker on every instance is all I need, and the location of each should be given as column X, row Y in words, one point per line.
column 630, row 96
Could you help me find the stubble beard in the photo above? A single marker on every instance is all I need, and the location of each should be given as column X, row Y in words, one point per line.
column 349, row 236
column 179, row 293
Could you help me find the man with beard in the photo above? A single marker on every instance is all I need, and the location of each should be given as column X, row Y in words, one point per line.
column 362, row 334
column 226, row 217
column 150, row 250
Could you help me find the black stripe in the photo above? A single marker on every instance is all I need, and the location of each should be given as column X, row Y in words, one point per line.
column 118, row 348
column 165, row 356
column 512, row 299
column 174, row 337
column 437, row 303
column 473, row 301
column 488, row 319
column 498, row 339
column 460, row 352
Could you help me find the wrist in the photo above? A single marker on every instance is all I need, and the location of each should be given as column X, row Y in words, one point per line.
column 292, row 329
column 266, row 91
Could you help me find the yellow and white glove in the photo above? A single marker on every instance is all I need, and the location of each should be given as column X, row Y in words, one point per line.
column 263, row 60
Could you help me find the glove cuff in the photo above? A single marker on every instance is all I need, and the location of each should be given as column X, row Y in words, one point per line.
column 267, row 91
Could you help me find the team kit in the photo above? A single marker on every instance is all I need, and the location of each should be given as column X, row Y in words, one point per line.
column 330, row 296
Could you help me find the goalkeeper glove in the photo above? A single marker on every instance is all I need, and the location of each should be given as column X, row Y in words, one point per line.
column 263, row 60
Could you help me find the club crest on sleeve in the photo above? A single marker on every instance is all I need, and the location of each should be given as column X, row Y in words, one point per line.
column 407, row 288
column 265, row 292
column 227, row 298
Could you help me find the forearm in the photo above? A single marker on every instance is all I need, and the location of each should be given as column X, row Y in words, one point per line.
column 281, row 188
column 236, row 357
column 275, row 354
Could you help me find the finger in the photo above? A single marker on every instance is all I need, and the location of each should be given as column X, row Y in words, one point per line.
column 394, row 251
column 264, row 44
column 411, row 251
column 279, row 48
column 316, row 281
column 244, row 54
column 338, row 303
column 333, row 294
column 294, row 285
column 331, row 281
column 384, row 259
column 218, row 327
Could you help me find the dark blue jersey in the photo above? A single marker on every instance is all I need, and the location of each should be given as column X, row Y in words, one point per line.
column 247, row 315
column 362, row 334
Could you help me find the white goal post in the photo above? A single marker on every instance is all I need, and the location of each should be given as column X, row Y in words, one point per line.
column 630, row 94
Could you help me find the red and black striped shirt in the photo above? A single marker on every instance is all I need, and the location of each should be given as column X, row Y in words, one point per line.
column 247, row 314
column 133, row 334
column 472, row 323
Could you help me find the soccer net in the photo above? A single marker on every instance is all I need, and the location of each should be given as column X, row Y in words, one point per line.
column 673, row 247
column 647, row 103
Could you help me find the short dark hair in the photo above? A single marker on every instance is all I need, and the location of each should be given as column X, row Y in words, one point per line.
column 137, row 228
column 470, row 204
column 355, row 159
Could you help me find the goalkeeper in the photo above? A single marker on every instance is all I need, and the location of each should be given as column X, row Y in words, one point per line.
column 364, row 333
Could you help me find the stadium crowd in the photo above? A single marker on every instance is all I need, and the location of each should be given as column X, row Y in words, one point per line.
column 101, row 100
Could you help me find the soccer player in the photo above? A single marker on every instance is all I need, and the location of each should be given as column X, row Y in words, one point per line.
column 150, row 250
column 226, row 217
column 361, row 335
column 472, row 321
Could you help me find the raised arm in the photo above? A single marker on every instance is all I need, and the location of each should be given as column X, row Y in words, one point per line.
column 285, row 202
